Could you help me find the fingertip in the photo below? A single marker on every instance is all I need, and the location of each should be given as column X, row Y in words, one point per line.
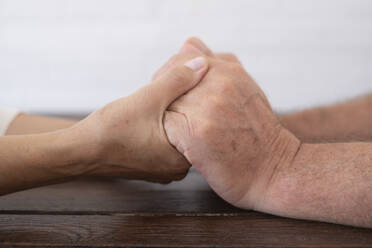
column 200, row 45
column 188, row 48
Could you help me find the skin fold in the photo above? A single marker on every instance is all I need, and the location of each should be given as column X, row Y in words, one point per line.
column 225, row 127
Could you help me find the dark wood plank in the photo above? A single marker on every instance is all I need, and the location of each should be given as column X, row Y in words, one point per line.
column 120, row 213
column 191, row 195
column 253, row 230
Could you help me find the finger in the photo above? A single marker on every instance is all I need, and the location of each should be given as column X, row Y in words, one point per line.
column 177, row 129
column 164, row 68
column 176, row 82
column 188, row 52
column 198, row 44
column 189, row 48
column 228, row 57
column 193, row 46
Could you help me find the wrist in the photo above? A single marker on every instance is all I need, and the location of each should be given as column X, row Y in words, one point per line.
column 276, row 159
column 274, row 197
column 79, row 148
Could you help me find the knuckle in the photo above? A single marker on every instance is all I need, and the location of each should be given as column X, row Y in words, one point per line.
column 214, row 105
column 179, row 164
column 235, row 68
column 191, row 40
column 224, row 85
column 205, row 129
column 180, row 175
column 231, row 57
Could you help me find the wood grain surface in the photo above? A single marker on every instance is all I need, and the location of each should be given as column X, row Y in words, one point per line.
column 119, row 213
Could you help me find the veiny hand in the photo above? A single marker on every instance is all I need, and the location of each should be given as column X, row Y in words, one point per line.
column 126, row 138
column 227, row 130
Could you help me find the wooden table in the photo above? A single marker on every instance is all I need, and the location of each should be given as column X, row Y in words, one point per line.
column 119, row 213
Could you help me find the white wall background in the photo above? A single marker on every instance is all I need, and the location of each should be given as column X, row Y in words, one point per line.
column 76, row 55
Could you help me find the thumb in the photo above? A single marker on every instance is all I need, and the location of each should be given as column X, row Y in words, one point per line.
column 177, row 81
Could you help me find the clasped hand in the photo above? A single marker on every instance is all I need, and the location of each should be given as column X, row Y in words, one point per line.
column 203, row 110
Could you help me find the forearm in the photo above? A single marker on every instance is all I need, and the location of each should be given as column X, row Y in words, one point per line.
column 32, row 124
column 28, row 161
column 325, row 182
column 349, row 121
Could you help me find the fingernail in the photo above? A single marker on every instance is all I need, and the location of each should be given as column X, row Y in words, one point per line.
column 196, row 64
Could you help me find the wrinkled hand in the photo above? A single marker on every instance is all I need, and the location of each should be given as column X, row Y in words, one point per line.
column 227, row 130
column 127, row 137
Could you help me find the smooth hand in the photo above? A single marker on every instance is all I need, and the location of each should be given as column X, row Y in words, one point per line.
column 126, row 138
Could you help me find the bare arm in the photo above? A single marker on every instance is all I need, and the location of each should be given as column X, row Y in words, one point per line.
column 109, row 142
column 32, row 124
column 344, row 122
column 28, row 161
column 326, row 182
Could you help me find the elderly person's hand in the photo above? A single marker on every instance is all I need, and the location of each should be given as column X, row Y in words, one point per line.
column 226, row 129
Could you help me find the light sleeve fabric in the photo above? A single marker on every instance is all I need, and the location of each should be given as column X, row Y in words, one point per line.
column 6, row 117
